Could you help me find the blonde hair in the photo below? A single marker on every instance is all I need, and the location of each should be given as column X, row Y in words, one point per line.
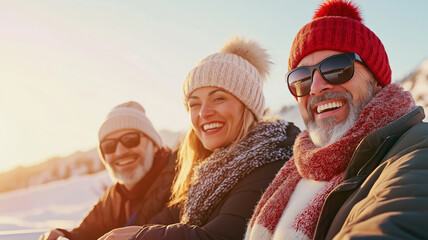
column 192, row 152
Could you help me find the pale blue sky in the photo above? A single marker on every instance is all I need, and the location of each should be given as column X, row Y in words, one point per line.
column 65, row 64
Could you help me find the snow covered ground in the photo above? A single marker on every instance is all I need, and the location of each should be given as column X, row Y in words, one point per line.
column 26, row 213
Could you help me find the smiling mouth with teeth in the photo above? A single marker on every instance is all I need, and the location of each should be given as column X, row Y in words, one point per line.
column 329, row 107
column 126, row 161
column 212, row 126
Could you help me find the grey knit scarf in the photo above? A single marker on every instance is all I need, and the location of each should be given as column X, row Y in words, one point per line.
column 216, row 175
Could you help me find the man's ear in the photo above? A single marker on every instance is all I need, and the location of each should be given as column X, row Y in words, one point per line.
column 377, row 86
column 155, row 148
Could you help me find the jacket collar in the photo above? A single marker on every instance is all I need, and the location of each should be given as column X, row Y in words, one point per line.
column 373, row 147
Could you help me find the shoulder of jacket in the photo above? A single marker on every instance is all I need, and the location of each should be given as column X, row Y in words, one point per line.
column 418, row 130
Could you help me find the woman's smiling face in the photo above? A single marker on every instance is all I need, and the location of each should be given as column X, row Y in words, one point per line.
column 216, row 116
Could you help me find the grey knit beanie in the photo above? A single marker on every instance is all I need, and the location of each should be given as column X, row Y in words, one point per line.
column 240, row 68
column 129, row 115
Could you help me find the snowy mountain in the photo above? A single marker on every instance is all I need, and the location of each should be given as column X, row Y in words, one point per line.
column 25, row 213
column 417, row 83
column 56, row 168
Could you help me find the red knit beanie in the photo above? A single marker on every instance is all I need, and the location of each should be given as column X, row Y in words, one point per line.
column 337, row 25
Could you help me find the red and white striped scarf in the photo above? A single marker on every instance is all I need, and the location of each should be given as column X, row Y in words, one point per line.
column 322, row 164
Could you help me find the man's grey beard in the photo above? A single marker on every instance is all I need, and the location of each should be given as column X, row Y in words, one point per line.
column 139, row 172
column 331, row 131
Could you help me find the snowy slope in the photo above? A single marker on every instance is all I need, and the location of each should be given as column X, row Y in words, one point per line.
column 56, row 204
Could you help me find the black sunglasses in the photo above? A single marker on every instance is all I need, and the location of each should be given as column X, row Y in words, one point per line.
column 128, row 140
column 336, row 69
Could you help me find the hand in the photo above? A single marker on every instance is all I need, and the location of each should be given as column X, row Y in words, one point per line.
column 52, row 235
column 121, row 233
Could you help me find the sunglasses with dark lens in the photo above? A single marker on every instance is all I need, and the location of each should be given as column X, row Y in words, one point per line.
column 129, row 140
column 336, row 69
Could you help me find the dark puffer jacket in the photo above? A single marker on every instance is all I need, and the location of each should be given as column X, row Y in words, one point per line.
column 119, row 207
column 385, row 191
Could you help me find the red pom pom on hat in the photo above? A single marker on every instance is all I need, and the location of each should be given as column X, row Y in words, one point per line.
column 338, row 9
column 337, row 25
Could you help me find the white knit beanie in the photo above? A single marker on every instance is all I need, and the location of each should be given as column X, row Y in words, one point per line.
column 129, row 115
column 240, row 68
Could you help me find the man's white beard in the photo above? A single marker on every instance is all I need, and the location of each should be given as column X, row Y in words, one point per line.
column 138, row 173
column 331, row 131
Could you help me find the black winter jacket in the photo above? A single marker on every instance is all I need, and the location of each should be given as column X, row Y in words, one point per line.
column 385, row 191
